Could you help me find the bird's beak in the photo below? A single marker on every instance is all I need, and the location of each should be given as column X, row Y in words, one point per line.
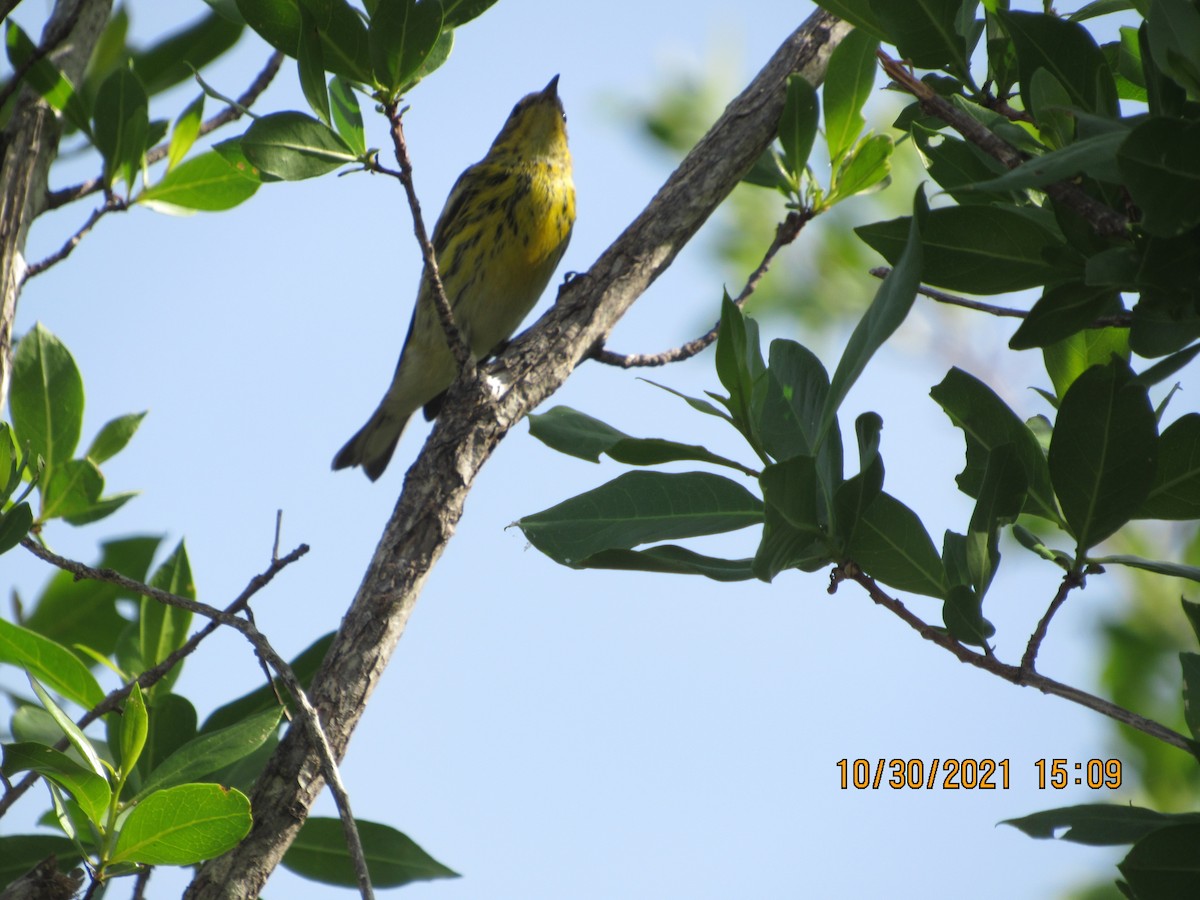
column 551, row 89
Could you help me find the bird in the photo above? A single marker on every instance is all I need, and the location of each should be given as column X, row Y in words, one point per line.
column 498, row 240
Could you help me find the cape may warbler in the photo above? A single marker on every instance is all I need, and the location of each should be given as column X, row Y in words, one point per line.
column 498, row 240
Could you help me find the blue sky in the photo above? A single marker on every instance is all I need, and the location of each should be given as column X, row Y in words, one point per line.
column 551, row 733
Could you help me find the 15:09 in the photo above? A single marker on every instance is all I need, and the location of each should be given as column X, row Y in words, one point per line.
column 1094, row 773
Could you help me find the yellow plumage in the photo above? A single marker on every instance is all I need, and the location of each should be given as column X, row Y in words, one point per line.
column 499, row 239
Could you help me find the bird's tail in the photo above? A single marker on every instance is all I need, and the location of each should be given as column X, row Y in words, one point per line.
column 373, row 445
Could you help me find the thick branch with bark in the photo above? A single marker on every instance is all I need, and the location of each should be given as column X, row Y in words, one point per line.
column 476, row 416
column 28, row 145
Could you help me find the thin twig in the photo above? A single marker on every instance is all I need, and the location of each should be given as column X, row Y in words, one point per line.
column 1001, row 105
column 112, row 203
column 1105, row 221
column 1013, row 674
column 309, row 717
column 50, row 43
column 454, row 338
column 140, row 882
column 1070, row 580
column 232, row 113
column 156, row 673
column 955, row 300
column 786, row 232
column 1116, row 320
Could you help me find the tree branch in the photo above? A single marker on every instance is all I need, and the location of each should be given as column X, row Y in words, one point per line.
column 1105, row 221
column 1117, row 320
column 156, row 673
column 454, row 338
column 786, row 232
column 112, row 203
column 1070, row 580
column 475, row 417
column 1015, row 674
column 29, row 143
column 309, row 719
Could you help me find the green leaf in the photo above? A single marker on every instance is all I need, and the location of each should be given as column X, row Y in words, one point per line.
column 962, row 614
column 135, row 726
column 49, row 661
column 393, row 859
column 172, row 724
column 959, row 167
column 402, row 34
column 891, row 545
column 577, row 434
column 1175, row 489
column 174, row 59
column 15, row 523
column 89, row 790
column 72, row 489
column 1001, row 497
column 797, row 390
column 1062, row 311
column 1164, row 865
column 113, row 436
column 784, row 547
column 163, row 629
column 983, row 250
column 1068, row 52
column 345, row 50
column 212, row 751
column 1035, row 544
column 1069, row 358
column 926, row 32
column 1103, row 452
column 1051, row 109
column 1160, row 162
column 208, row 182
column 798, row 125
column 741, row 368
column 311, row 66
column 347, row 117
column 671, row 559
column 859, row 13
column 849, row 81
column 1164, row 369
column 988, row 423
column 183, row 825
column 1190, row 664
column 791, row 487
column 47, row 397
column 893, row 300
column 1095, row 157
column 695, row 403
column 460, row 12
column 77, row 738
column 121, row 123
column 1173, row 33
column 1098, row 824
column 1160, row 567
column 52, row 85
column 639, row 507
column 1191, row 609
column 293, row 146
column 866, row 169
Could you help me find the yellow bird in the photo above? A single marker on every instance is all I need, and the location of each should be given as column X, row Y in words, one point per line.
column 498, row 240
